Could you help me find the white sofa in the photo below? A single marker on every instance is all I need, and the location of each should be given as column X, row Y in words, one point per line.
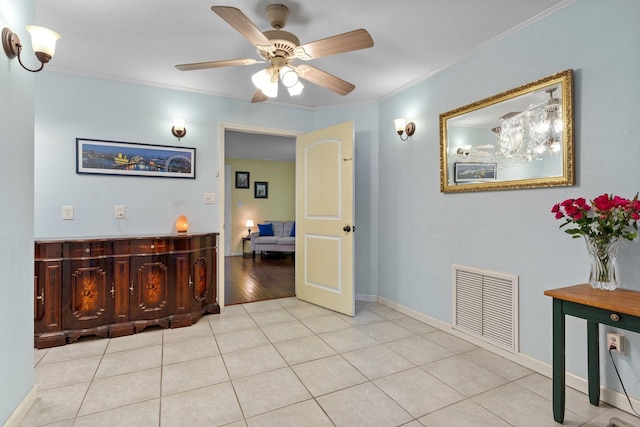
column 280, row 241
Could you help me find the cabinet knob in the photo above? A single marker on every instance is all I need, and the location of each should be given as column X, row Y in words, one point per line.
column 131, row 287
column 190, row 282
column 113, row 291
column 614, row 317
column 87, row 250
column 153, row 246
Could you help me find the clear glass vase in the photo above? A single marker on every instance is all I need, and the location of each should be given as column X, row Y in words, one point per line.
column 604, row 263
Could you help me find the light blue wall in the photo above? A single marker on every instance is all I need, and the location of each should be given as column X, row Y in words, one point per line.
column 16, row 217
column 423, row 232
column 69, row 106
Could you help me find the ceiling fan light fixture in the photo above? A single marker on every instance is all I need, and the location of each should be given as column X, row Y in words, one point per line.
column 270, row 89
column 261, row 79
column 288, row 76
column 296, row 89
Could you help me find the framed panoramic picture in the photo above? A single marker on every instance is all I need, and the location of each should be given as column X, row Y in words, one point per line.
column 95, row 156
column 475, row 172
column 242, row 179
column 261, row 190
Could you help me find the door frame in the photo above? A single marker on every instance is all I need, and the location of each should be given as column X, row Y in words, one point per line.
column 223, row 127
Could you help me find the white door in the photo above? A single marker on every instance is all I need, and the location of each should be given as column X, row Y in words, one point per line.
column 324, row 218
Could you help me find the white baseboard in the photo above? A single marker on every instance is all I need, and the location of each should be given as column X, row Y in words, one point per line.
column 366, row 297
column 16, row 417
column 609, row 396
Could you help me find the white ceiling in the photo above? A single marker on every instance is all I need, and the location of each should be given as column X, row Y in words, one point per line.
column 141, row 41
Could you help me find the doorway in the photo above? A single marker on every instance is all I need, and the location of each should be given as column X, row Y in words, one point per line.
column 245, row 278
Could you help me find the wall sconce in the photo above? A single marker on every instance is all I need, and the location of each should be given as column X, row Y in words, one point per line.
column 178, row 130
column 463, row 151
column 403, row 127
column 249, row 224
column 43, row 41
column 181, row 224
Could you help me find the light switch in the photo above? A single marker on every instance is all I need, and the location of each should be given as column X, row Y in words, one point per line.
column 67, row 212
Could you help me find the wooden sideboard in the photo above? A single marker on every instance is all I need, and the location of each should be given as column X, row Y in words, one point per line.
column 115, row 286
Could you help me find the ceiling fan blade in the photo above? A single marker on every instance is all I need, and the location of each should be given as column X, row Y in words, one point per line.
column 216, row 64
column 346, row 42
column 324, row 79
column 244, row 26
column 258, row 96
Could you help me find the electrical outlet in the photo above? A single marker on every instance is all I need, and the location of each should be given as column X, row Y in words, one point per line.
column 67, row 212
column 120, row 213
column 209, row 198
column 615, row 340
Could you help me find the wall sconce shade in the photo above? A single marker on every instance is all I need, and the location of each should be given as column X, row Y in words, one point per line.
column 249, row 224
column 43, row 41
column 181, row 224
column 178, row 130
column 402, row 127
column 464, row 151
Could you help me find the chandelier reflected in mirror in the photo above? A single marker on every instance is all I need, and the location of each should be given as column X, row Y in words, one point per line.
column 533, row 133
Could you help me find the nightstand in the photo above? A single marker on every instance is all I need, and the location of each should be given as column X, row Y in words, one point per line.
column 245, row 240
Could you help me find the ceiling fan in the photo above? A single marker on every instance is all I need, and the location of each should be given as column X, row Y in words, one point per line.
column 279, row 48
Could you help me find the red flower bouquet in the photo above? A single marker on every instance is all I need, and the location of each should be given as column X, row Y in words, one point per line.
column 603, row 223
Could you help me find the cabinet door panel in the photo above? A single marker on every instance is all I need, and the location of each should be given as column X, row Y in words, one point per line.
column 48, row 285
column 204, row 274
column 150, row 289
column 183, row 283
column 201, row 283
column 121, row 289
column 90, row 301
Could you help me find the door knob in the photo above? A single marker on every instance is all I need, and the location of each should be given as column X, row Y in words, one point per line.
column 346, row 228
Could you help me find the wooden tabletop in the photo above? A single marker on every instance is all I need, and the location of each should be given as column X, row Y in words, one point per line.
column 622, row 301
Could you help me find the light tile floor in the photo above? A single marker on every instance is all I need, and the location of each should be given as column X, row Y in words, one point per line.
column 289, row 363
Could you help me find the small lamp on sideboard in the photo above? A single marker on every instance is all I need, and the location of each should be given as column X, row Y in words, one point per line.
column 249, row 224
column 181, row 224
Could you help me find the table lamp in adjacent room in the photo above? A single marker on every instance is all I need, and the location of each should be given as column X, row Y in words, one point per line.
column 249, row 224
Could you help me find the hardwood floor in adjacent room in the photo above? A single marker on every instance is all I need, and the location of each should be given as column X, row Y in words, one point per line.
column 248, row 279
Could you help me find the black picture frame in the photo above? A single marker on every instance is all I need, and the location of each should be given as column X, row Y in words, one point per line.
column 242, row 179
column 95, row 156
column 475, row 171
column 261, row 190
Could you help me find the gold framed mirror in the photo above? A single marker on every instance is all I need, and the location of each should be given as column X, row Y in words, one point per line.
column 521, row 138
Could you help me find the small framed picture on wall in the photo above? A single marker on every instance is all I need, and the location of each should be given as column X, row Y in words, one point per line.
column 242, row 179
column 261, row 190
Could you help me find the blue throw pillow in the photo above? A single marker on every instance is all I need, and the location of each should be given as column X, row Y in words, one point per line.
column 293, row 231
column 265, row 229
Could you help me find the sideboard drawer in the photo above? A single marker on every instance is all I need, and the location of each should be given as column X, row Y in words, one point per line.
column 84, row 249
column 150, row 246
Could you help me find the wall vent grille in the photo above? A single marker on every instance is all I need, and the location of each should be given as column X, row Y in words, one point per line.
column 485, row 305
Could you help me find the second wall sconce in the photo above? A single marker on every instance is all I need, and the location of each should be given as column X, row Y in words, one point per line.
column 463, row 151
column 178, row 130
column 403, row 127
column 43, row 41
